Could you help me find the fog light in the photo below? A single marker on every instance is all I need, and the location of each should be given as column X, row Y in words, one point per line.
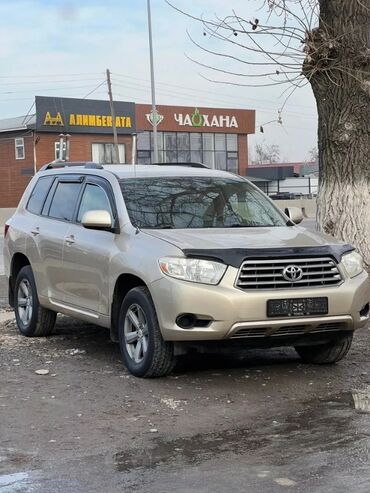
column 186, row 321
column 364, row 312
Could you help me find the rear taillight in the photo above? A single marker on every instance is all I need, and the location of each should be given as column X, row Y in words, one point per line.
column 6, row 227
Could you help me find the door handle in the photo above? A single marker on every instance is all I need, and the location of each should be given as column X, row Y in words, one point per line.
column 70, row 239
column 35, row 232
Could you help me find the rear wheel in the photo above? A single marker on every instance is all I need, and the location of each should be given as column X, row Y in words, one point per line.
column 32, row 319
column 324, row 354
column 143, row 349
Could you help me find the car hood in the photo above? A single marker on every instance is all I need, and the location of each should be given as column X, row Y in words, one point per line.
column 231, row 245
column 275, row 237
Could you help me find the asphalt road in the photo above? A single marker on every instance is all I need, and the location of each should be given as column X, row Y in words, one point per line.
column 260, row 422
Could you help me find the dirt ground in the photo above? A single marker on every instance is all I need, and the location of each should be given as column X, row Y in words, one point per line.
column 259, row 422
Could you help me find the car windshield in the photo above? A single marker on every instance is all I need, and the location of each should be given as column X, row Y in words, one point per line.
column 197, row 202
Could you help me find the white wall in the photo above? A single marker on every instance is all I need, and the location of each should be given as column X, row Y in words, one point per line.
column 295, row 185
column 5, row 214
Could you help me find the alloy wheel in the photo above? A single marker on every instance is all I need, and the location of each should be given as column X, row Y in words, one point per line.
column 24, row 302
column 136, row 333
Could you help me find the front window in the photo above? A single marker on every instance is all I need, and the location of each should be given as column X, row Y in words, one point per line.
column 197, row 202
column 93, row 198
column 19, row 148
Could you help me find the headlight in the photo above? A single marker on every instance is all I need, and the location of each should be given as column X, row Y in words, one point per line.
column 192, row 269
column 353, row 263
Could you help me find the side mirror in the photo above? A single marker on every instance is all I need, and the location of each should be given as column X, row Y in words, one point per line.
column 295, row 214
column 97, row 220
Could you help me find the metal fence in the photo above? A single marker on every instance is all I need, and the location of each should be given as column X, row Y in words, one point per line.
column 290, row 188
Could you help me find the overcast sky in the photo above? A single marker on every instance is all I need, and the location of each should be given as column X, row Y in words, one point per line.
column 62, row 48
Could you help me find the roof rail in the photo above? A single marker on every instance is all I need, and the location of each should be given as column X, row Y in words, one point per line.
column 190, row 165
column 67, row 164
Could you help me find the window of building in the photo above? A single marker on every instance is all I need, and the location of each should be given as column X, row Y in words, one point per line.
column 232, row 142
column 57, row 150
column 64, row 200
column 143, row 157
column 104, row 153
column 216, row 150
column 39, row 193
column 94, row 198
column 19, row 148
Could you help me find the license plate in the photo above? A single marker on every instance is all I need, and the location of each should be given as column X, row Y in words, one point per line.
column 297, row 307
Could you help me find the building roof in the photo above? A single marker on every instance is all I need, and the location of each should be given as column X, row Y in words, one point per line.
column 257, row 179
column 297, row 166
column 17, row 123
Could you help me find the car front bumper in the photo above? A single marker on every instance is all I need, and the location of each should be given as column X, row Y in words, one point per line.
column 232, row 313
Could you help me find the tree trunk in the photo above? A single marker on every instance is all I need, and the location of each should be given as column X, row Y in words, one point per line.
column 338, row 68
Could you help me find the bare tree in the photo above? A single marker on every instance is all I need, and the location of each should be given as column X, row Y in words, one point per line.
column 266, row 153
column 324, row 43
column 313, row 155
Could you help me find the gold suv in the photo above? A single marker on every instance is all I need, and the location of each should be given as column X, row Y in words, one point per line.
column 171, row 257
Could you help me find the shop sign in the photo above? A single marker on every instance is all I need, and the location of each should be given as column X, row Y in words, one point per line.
column 197, row 119
column 83, row 116
column 154, row 118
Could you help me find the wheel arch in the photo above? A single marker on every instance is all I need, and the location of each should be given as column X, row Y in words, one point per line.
column 19, row 260
column 124, row 283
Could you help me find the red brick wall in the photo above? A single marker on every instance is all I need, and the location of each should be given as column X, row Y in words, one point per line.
column 12, row 181
column 80, row 146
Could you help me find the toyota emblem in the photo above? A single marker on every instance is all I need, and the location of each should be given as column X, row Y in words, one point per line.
column 292, row 273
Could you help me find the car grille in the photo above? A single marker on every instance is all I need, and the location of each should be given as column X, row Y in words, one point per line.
column 289, row 330
column 268, row 274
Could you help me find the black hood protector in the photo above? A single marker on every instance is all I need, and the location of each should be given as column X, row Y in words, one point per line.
column 235, row 256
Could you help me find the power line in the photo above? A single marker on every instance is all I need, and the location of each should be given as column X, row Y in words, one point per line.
column 183, row 95
column 43, row 81
column 28, row 112
column 96, row 88
column 47, row 75
column 49, row 89
column 197, row 90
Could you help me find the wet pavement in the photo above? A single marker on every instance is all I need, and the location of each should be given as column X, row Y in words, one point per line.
column 259, row 421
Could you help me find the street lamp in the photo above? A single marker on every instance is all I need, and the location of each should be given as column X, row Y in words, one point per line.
column 154, row 109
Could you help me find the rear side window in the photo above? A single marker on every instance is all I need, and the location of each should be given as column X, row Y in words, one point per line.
column 39, row 194
column 64, row 200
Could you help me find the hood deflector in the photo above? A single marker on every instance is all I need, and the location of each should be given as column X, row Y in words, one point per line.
column 235, row 256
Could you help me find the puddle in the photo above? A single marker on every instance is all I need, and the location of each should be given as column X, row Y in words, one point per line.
column 328, row 425
column 10, row 483
column 188, row 450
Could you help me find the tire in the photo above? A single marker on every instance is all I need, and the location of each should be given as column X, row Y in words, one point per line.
column 144, row 352
column 39, row 321
column 325, row 354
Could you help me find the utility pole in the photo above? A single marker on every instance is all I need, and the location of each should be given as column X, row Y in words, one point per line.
column 113, row 113
column 154, row 109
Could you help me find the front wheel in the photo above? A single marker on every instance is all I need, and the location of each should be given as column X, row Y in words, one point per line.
column 32, row 319
column 143, row 349
column 325, row 354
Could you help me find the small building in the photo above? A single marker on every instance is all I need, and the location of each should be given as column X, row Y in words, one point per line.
column 285, row 179
column 217, row 137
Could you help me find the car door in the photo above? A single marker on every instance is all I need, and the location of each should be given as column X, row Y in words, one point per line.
column 87, row 252
column 48, row 228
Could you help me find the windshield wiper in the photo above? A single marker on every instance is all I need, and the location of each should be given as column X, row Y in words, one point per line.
column 250, row 225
